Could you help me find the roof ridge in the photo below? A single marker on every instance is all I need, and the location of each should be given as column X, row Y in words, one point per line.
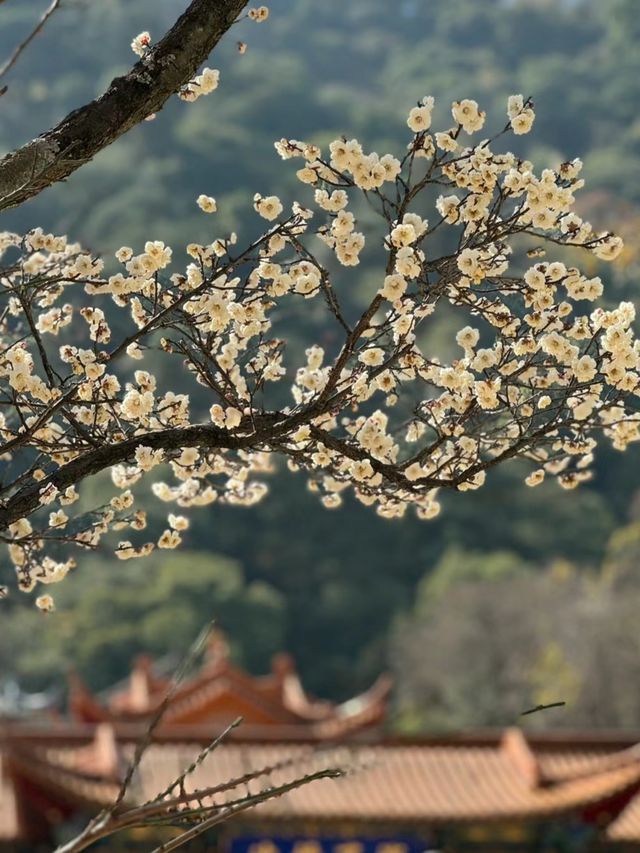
column 515, row 745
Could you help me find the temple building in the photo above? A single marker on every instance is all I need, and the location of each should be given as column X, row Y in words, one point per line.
column 272, row 707
column 488, row 791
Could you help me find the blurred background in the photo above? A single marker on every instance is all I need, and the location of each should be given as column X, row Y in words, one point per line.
column 513, row 596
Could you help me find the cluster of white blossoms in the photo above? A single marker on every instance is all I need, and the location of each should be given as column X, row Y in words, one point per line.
column 258, row 14
column 521, row 115
column 203, row 84
column 539, row 372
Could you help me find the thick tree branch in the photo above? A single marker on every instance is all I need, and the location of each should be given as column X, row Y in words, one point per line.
column 166, row 67
column 28, row 498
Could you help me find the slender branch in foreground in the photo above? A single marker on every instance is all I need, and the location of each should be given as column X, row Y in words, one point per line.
column 175, row 805
column 55, row 4
column 225, row 813
column 143, row 744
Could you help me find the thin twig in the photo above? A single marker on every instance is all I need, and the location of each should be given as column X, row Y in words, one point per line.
column 24, row 44
column 103, row 823
column 144, row 742
column 249, row 802
column 154, row 807
column 543, row 708
column 198, row 760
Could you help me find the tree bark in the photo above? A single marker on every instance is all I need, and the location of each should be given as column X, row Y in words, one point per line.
column 24, row 502
column 166, row 67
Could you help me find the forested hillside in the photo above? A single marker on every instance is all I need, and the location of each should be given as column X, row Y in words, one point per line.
column 339, row 588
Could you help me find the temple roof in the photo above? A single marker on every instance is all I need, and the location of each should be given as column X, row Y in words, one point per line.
column 49, row 773
column 432, row 782
column 409, row 784
column 221, row 692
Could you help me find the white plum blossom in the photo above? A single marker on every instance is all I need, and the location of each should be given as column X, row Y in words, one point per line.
column 269, row 208
column 207, row 203
column 141, row 43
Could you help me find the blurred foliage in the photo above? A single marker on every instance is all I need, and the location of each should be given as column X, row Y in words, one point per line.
column 486, row 646
column 326, row 585
column 108, row 614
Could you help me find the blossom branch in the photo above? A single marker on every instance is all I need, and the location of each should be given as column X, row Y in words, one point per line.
column 377, row 413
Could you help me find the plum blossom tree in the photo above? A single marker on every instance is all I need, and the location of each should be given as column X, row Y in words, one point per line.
column 539, row 374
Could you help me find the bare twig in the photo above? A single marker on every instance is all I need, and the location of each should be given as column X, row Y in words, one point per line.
column 249, row 802
column 543, row 708
column 168, row 807
column 198, row 760
column 103, row 823
column 55, row 4
column 207, row 816
column 143, row 744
